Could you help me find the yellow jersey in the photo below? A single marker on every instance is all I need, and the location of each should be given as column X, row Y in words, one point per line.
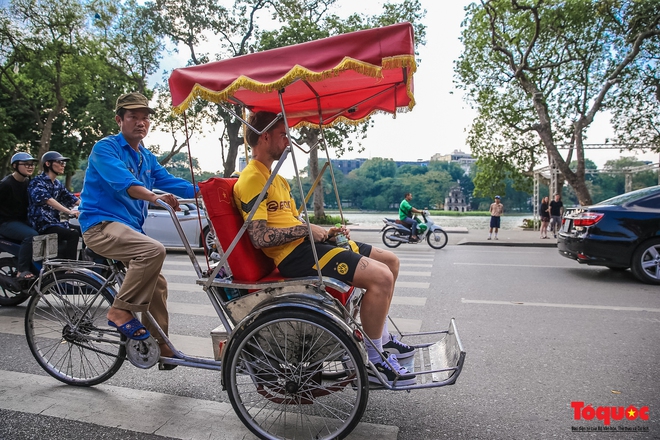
column 278, row 207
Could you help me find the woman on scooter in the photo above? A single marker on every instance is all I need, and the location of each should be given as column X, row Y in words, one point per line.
column 14, row 208
column 49, row 198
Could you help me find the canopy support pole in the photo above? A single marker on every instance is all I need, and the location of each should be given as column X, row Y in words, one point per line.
column 300, row 188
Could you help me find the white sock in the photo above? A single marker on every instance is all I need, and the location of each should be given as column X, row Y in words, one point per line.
column 374, row 353
column 385, row 338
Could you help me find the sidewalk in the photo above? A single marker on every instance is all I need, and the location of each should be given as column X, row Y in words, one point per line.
column 514, row 237
column 506, row 237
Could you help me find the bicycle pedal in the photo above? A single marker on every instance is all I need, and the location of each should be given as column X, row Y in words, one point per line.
column 143, row 354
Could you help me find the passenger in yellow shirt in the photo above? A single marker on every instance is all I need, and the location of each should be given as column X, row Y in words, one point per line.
column 276, row 229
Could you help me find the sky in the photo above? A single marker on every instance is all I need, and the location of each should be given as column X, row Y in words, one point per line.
column 439, row 122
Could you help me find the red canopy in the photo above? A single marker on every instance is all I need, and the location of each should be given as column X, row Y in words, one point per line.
column 350, row 76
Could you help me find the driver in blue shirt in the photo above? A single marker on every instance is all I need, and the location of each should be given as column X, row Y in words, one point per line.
column 118, row 188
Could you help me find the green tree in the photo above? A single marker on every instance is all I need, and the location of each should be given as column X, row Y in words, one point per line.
column 538, row 72
column 63, row 64
column 376, row 169
column 42, row 45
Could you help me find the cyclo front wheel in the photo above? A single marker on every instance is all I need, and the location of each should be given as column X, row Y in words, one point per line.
column 67, row 331
column 293, row 373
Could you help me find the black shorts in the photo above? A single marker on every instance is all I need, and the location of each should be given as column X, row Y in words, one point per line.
column 494, row 222
column 336, row 262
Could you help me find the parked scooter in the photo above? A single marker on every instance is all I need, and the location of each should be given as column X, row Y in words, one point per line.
column 12, row 290
column 395, row 232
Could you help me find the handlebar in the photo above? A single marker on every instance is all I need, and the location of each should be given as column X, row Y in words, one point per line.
column 182, row 234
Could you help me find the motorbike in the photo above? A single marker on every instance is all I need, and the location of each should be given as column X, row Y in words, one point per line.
column 395, row 232
column 12, row 290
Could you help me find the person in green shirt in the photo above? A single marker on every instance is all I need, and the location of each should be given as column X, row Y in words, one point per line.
column 406, row 210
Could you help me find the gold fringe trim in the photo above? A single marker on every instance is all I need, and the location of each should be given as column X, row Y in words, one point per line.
column 299, row 72
column 345, row 120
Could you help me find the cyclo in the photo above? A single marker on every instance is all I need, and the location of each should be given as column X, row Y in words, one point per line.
column 293, row 356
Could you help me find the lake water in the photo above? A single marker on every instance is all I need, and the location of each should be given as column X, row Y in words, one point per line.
column 470, row 222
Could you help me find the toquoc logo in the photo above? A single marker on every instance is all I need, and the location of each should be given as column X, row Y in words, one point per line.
column 608, row 413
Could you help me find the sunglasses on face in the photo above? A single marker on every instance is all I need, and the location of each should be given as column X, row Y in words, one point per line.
column 27, row 164
column 60, row 162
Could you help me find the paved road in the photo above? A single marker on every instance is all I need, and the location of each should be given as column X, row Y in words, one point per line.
column 540, row 332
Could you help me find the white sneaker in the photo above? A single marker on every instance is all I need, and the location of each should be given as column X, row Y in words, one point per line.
column 398, row 348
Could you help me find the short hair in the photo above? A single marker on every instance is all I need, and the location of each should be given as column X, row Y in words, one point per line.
column 121, row 112
column 259, row 121
column 407, row 194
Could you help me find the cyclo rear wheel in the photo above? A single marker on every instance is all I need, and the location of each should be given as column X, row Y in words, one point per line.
column 293, row 373
column 67, row 331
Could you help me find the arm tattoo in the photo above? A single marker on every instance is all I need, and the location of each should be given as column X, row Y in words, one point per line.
column 263, row 236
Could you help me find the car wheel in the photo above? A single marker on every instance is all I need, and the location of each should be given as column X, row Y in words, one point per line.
column 207, row 239
column 646, row 262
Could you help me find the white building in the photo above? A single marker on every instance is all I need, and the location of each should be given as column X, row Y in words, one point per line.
column 465, row 160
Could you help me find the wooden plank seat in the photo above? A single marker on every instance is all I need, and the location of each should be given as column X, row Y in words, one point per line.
column 249, row 266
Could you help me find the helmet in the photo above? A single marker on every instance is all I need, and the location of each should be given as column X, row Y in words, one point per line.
column 50, row 156
column 22, row 156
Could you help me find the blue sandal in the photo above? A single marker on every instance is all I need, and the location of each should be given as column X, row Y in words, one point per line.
column 131, row 328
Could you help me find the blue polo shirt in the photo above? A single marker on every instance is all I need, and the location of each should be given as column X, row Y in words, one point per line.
column 113, row 168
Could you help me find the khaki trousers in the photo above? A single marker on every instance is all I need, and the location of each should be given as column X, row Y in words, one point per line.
column 144, row 287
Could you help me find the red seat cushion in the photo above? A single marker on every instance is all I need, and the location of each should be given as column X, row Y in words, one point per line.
column 246, row 262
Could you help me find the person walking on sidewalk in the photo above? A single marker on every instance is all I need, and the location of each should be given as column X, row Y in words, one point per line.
column 496, row 210
column 556, row 211
column 544, row 212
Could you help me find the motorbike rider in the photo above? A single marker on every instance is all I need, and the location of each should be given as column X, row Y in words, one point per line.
column 406, row 210
column 48, row 198
column 14, row 209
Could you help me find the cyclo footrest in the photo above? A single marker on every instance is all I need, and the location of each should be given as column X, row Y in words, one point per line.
column 436, row 364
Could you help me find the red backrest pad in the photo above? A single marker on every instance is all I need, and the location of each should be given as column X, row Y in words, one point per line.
column 246, row 262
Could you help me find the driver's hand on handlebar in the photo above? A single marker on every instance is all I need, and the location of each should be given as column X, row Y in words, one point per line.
column 170, row 199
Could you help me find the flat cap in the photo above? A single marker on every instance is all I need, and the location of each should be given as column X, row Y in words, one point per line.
column 132, row 101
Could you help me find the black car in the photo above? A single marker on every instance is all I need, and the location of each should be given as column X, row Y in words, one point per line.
column 619, row 233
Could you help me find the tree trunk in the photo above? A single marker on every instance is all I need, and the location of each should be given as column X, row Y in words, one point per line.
column 235, row 140
column 319, row 212
column 47, row 133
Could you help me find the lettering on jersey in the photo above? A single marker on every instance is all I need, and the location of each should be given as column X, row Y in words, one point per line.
column 282, row 205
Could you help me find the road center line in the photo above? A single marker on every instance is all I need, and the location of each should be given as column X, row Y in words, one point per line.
column 566, row 306
column 512, row 265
